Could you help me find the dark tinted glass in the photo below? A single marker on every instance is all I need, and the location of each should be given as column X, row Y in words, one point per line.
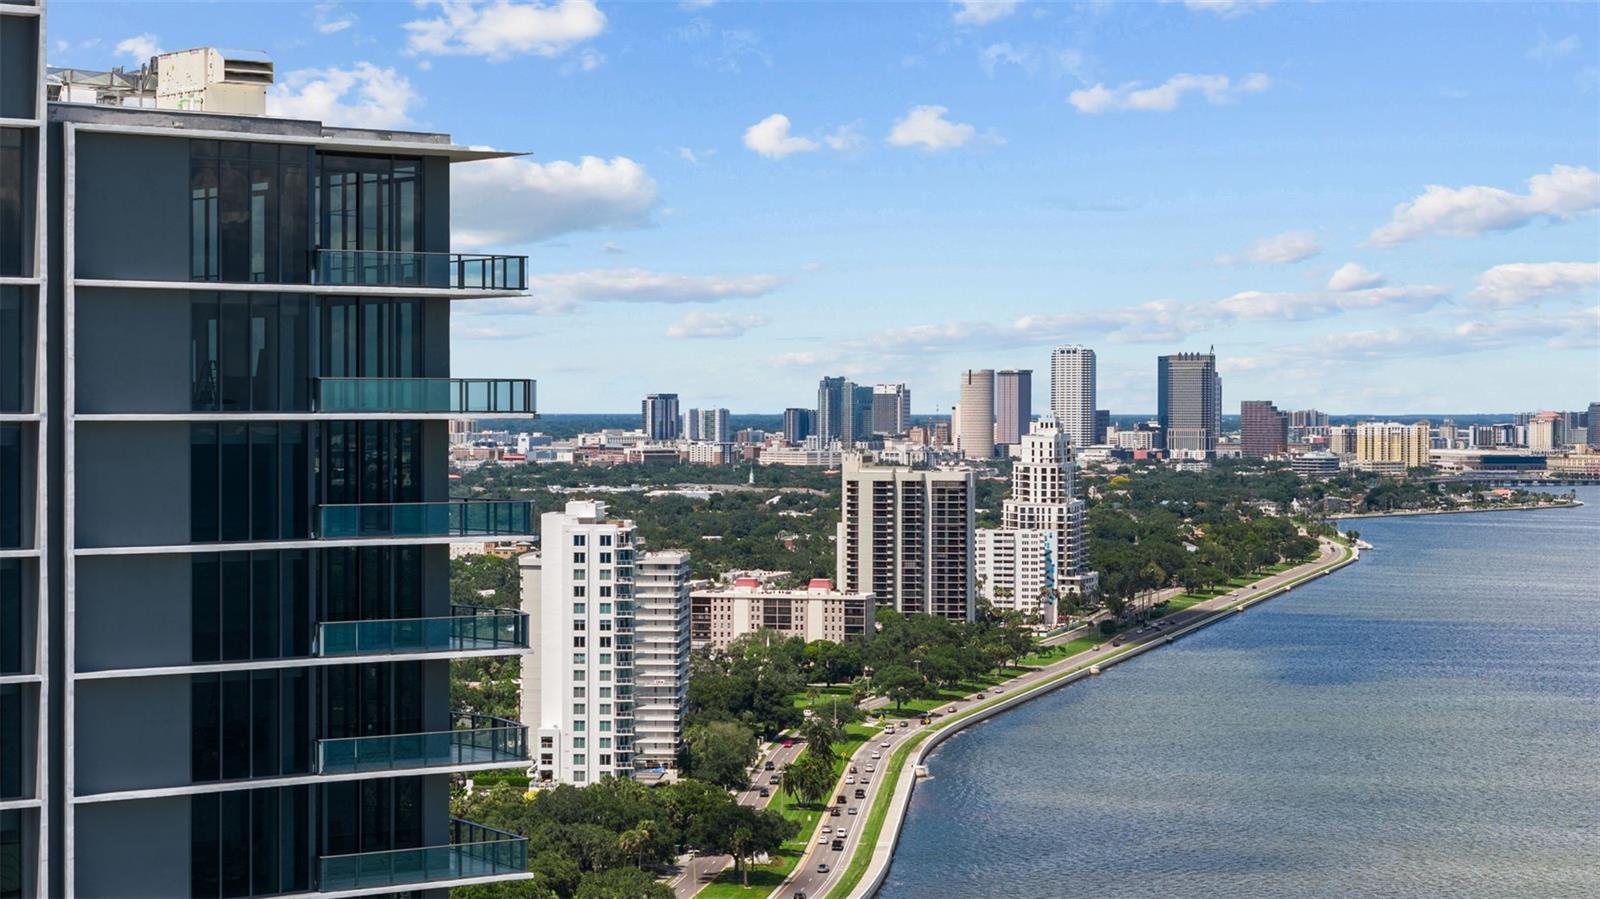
column 11, row 487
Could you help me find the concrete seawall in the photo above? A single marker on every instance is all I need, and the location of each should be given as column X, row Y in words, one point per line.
column 900, row 801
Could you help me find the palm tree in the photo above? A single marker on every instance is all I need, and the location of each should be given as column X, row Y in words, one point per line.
column 820, row 734
column 636, row 840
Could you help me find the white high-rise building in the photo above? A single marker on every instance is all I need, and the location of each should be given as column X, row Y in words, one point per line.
column 975, row 414
column 581, row 684
column 660, row 656
column 1017, row 571
column 1042, row 500
column 1072, row 395
column 709, row 425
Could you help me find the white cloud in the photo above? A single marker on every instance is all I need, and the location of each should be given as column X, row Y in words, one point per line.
column 328, row 18
column 700, row 323
column 1521, row 282
column 1548, row 50
column 637, row 285
column 363, row 96
column 1217, row 89
column 1290, row 246
column 770, row 137
column 982, row 12
column 510, row 202
column 140, row 47
column 926, row 126
column 1227, row 9
column 844, row 138
column 500, row 29
column 613, row 248
column 483, row 332
column 1351, row 276
column 994, row 55
column 1258, row 305
column 1566, row 191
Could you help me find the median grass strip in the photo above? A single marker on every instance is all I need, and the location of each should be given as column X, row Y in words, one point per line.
column 861, row 859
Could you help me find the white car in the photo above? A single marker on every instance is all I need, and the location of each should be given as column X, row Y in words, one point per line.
column 884, row 744
column 843, row 833
column 871, row 768
column 822, row 839
column 851, row 779
column 876, row 754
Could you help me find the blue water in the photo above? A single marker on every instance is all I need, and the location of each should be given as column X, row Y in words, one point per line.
column 1425, row 723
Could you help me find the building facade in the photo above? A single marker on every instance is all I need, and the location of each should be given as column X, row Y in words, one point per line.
column 844, row 412
column 719, row 615
column 708, row 425
column 1043, row 498
column 1189, row 404
column 975, row 414
column 1017, row 571
column 1263, row 430
column 660, row 656
column 1391, row 445
column 1072, row 392
column 798, row 424
column 891, row 409
column 1013, row 405
column 236, row 574
column 659, row 412
column 906, row 537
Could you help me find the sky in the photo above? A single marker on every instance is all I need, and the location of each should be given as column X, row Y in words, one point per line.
column 1364, row 208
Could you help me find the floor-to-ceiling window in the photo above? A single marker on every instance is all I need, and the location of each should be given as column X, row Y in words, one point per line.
column 11, row 715
column 11, row 620
column 11, row 854
column 249, row 352
column 13, row 178
column 249, row 481
column 16, row 348
column 250, row 842
column 11, row 486
column 249, row 212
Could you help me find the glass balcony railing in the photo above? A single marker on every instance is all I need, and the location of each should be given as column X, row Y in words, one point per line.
column 394, row 268
column 471, row 396
column 476, row 740
column 462, row 518
column 475, row 850
column 478, row 629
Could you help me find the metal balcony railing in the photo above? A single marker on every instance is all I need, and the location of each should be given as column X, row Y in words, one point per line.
column 475, row 740
column 468, row 628
column 462, row 518
column 398, row 268
column 475, row 850
column 466, row 396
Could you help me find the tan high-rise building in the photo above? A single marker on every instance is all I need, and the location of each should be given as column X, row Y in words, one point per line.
column 975, row 414
column 906, row 536
column 1392, row 443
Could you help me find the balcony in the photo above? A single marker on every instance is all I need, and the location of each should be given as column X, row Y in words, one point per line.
column 454, row 396
column 468, row 629
column 475, row 850
column 476, row 740
column 447, row 271
column 475, row 518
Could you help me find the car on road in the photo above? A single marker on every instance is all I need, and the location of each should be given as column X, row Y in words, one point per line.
column 905, row 724
column 871, row 768
column 822, row 839
column 834, row 811
column 951, row 709
column 850, row 779
column 769, row 765
column 884, row 744
column 865, row 779
column 853, row 768
column 799, row 894
column 838, row 846
column 854, row 809
column 775, row 780
column 998, row 690
column 822, row 867
column 765, row 792
column 841, row 799
column 876, row 754
column 787, row 743
column 860, row 793
column 827, row 828
column 843, row 834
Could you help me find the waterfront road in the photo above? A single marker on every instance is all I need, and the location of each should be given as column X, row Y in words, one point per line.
column 810, row 881
column 695, row 871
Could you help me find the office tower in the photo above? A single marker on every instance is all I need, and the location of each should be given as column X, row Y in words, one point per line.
column 1016, row 571
column 660, row 413
column 858, row 423
column 1043, row 499
column 660, row 656
column 891, row 409
column 709, row 425
column 1102, row 424
column 1308, row 418
column 1189, row 403
column 30, row 683
column 1448, row 434
column 1390, row 446
column 905, row 536
column 941, row 432
column 975, row 414
column 1546, row 432
column 798, row 424
column 245, row 635
column 1072, row 392
column 578, row 684
column 1013, row 405
column 1592, row 423
column 690, row 428
column 721, row 614
column 1263, row 430
column 832, row 409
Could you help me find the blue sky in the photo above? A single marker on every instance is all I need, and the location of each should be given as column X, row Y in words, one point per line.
column 1364, row 207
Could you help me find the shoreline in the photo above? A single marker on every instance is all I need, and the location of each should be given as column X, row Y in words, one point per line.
column 910, row 759
column 1410, row 513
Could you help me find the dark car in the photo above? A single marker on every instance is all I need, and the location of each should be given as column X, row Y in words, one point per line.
column 860, row 793
column 765, row 792
column 838, row 845
column 840, row 800
column 775, row 780
column 769, row 766
column 834, row 811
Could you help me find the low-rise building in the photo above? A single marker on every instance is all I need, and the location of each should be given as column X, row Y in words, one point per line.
column 721, row 614
column 1320, row 464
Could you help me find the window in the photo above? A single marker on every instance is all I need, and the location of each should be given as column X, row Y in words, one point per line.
column 577, row 574
column 577, row 558
column 578, row 642
column 605, row 558
column 11, row 504
column 578, row 591
column 579, row 724
column 605, row 709
column 249, row 352
column 606, row 591
column 11, row 626
column 13, row 222
column 578, row 692
column 605, row 692
column 249, row 724
column 605, row 608
column 11, row 786
column 605, row 539
column 605, row 742
column 249, row 218
column 577, row 608
column 248, row 481
column 605, row 760
column 250, row 606
column 577, row 742
column 366, row 337
column 578, row 539
column 16, row 348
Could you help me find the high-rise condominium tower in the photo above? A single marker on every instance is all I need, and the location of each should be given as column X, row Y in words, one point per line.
column 975, row 414
column 1592, row 434
column 1189, row 403
column 1042, row 499
column 709, row 425
column 604, row 615
column 1072, row 392
column 1013, row 405
column 844, row 411
column 906, row 537
column 798, row 424
column 1263, row 430
column 891, row 409
column 660, row 414
column 225, row 619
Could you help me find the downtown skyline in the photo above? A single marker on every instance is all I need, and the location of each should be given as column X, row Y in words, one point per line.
column 1273, row 184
